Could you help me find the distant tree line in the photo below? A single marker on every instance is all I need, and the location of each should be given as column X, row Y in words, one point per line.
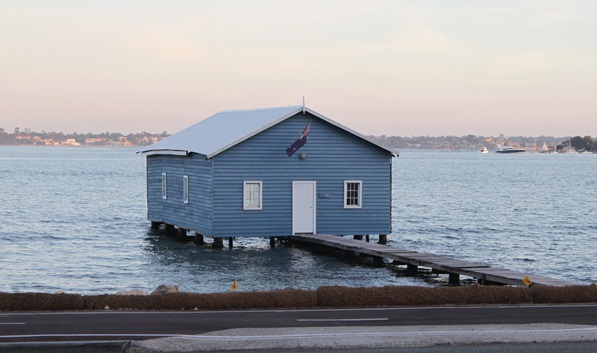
column 580, row 144
column 467, row 142
column 474, row 142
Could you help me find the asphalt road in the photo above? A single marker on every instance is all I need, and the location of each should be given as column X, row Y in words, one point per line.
column 123, row 325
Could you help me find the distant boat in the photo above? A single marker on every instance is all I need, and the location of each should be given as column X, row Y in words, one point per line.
column 484, row 150
column 509, row 149
column 545, row 149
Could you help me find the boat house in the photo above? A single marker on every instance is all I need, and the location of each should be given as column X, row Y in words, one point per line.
column 270, row 173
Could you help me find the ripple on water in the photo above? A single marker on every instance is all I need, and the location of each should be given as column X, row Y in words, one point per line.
column 84, row 230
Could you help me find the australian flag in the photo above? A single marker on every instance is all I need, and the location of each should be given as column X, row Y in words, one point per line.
column 300, row 142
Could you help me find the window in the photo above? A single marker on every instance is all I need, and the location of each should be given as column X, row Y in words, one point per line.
column 185, row 189
column 164, row 194
column 252, row 195
column 352, row 193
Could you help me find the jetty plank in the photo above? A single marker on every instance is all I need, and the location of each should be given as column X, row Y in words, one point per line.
column 438, row 263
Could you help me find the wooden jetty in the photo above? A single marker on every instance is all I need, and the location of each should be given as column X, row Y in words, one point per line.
column 484, row 273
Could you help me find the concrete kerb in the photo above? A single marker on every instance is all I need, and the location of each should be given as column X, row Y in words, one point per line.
column 63, row 347
column 364, row 337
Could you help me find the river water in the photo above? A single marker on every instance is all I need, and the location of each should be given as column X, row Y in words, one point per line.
column 74, row 219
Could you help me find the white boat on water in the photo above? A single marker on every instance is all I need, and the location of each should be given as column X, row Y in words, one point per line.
column 544, row 149
column 509, row 149
column 484, row 150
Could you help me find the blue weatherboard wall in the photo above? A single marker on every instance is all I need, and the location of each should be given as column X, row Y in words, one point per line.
column 197, row 214
column 333, row 156
column 215, row 205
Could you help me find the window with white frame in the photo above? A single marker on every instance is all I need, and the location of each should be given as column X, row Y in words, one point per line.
column 164, row 192
column 185, row 189
column 353, row 190
column 252, row 191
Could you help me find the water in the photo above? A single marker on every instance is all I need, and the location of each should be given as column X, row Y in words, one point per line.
column 74, row 219
column 532, row 213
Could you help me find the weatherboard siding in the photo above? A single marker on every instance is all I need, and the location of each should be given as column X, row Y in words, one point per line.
column 215, row 206
column 195, row 215
column 333, row 155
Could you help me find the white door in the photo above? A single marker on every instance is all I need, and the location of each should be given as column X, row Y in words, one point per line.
column 303, row 207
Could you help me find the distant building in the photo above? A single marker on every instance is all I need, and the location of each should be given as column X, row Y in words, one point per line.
column 71, row 142
column 95, row 140
column 233, row 175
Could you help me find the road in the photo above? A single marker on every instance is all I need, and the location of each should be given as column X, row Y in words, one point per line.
column 125, row 325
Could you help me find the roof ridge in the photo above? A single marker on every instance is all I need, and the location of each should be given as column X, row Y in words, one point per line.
column 259, row 109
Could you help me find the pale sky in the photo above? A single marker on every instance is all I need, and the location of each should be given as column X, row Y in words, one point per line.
column 379, row 67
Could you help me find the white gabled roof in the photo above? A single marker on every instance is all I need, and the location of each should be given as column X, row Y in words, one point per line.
column 223, row 130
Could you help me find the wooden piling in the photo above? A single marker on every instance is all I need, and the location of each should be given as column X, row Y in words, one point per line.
column 272, row 242
column 383, row 239
column 168, row 229
column 454, row 279
column 155, row 225
column 358, row 237
column 199, row 239
column 367, row 238
column 218, row 243
column 230, row 243
column 182, row 233
column 412, row 269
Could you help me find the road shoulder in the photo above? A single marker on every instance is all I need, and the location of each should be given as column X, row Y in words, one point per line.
column 365, row 337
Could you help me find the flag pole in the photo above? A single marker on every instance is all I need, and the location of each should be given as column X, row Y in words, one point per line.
column 303, row 105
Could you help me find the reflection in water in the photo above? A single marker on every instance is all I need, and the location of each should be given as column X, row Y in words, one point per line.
column 258, row 267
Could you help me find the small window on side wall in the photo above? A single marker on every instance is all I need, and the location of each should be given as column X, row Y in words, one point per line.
column 185, row 189
column 252, row 191
column 353, row 194
column 164, row 189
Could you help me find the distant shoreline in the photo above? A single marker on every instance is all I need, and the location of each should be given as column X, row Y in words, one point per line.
column 447, row 143
column 29, row 138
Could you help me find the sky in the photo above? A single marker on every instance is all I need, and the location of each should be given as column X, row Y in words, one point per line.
column 405, row 68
